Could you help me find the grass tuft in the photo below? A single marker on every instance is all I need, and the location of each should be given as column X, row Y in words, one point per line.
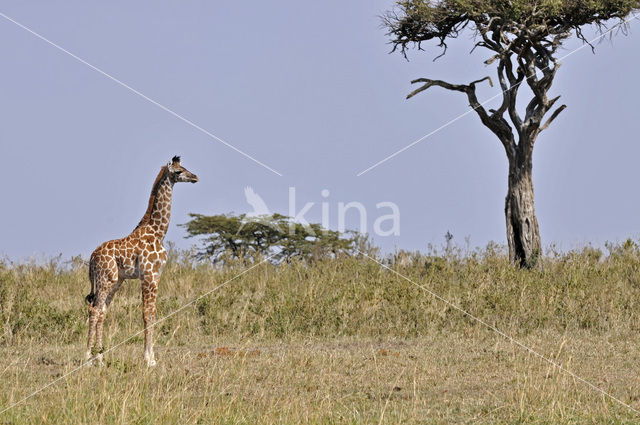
column 338, row 341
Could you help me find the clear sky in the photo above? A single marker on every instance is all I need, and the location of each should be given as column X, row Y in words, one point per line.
column 307, row 88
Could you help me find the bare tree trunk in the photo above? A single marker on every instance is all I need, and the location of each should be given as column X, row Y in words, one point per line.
column 523, row 233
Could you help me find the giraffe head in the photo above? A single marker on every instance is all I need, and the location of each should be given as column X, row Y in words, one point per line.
column 177, row 173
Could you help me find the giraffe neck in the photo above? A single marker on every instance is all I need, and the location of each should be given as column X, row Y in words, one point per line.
column 158, row 213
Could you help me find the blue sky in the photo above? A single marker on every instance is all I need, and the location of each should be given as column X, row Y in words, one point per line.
column 308, row 88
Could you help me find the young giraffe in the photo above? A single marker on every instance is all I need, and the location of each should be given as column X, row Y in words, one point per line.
column 141, row 255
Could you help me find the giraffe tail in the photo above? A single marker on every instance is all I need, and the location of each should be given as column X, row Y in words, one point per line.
column 91, row 297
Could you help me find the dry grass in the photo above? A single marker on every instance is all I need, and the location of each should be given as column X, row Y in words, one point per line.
column 340, row 341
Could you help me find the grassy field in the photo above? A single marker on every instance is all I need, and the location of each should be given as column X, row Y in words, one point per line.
column 342, row 341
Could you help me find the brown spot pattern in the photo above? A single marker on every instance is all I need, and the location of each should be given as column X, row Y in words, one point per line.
column 140, row 255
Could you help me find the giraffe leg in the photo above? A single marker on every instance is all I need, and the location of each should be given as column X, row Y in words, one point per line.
column 101, row 311
column 149, row 291
column 97, row 311
column 96, row 301
column 102, row 302
column 113, row 291
column 93, row 319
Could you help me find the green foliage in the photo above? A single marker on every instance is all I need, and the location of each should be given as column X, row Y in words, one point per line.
column 523, row 37
column 30, row 306
column 415, row 21
column 330, row 341
column 344, row 296
column 227, row 237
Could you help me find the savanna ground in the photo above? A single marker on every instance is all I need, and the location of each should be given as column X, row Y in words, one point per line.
column 340, row 341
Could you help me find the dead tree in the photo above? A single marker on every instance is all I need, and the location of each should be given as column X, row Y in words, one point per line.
column 523, row 37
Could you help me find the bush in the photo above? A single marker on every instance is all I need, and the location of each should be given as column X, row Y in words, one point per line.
column 275, row 236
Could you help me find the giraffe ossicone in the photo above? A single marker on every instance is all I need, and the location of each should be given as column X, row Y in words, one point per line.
column 140, row 255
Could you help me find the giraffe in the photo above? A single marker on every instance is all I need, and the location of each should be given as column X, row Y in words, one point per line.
column 141, row 255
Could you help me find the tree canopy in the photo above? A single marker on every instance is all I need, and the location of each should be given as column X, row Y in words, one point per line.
column 229, row 236
column 523, row 37
column 423, row 20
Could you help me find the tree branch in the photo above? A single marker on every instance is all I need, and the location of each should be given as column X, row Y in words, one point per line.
column 515, row 85
column 553, row 117
column 455, row 87
column 494, row 122
column 439, row 83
